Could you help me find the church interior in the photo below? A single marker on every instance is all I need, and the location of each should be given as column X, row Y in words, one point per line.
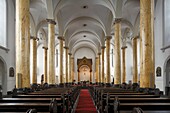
column 84, row 56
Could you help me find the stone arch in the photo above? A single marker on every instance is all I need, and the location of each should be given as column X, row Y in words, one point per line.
column 167, row 72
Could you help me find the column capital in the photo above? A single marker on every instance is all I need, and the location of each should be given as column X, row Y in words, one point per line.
column 46, row 48
column 69, row 54
column 118, row 20
column 103, row 47
column 66, row 47
column 51, row 21
column 108, row 37
column 135, row 37
column 124, row 47
column 34, row 38
column 61, row 38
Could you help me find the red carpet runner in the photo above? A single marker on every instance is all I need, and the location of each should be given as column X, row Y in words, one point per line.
column 85, row 104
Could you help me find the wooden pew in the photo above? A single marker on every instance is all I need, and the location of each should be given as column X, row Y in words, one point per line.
column 50, row 107
column 41, row 98
column 146, row 104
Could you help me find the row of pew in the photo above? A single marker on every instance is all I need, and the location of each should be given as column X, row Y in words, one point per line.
column 50, row 100
column 117, row 100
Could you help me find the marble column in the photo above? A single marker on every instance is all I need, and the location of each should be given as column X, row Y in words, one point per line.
column 22, row 43
column 45, row 63
column 146, row 41
column 66, row 56
column 90, row 76
column 97, row 70
column 117, row 60
column 152, row 84
column 108, row 38
column 135, row 60
column 78, row 76
column 34, row 59
column 99, row 67
column 51, row 51
column 124, row 64
column 72, row 69
column 61, row 39
column 70, row 78
column 102, row 78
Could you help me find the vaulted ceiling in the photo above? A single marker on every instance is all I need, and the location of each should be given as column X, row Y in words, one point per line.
column 84, row 23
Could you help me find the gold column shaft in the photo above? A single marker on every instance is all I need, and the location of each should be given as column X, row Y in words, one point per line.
column 117, row 65
column 45, row 64
column 72, row 69
column 61, row 59
column 22, row 43
column 145, row 35
column 66, row 56
column 78, row 76
column 70, row 78
column 153, row 45
column 97, row 69
column 51, row 52
column 124, row 64
column 135, row 62
column 108, row 38
column 34, row 60
column 90, row 76
column 102, row 78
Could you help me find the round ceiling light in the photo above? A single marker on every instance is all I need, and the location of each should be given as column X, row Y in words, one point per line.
column 84, row 36
column 85, row 7
column 84, row 25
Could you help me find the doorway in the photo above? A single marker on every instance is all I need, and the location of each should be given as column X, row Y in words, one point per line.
column 3, row 76
column 167, row 70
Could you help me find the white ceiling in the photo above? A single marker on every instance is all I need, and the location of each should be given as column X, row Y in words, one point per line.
column 84, row 23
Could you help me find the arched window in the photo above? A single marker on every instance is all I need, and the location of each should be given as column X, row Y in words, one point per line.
column 3, row 23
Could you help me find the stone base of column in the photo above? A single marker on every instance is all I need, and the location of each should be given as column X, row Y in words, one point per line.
column 61, row 85
column 102, row 84
column 97, row 83
column 117, row 85
column 108, row 85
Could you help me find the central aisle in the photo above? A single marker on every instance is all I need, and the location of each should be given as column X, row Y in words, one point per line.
column 85, row 104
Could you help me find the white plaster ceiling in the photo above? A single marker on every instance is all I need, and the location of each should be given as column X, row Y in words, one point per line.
column 95, row 21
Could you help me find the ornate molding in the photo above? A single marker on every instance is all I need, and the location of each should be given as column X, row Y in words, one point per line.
column 51, row 21
column 46, row 48
column 103, row 47
column 61, row 38
column 108, row 37
column 118, row 20
column 124, row 47
column 66, row 47
column 136, row 37
column 34, row 38
column 69, row 54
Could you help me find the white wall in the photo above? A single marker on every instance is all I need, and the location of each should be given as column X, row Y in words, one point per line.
column 160, row 56
column 88, row 53
column 40, row 62
column 9, row 56
column 129, row 62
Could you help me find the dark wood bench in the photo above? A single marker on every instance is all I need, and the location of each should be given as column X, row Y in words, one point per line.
column 52, row 106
